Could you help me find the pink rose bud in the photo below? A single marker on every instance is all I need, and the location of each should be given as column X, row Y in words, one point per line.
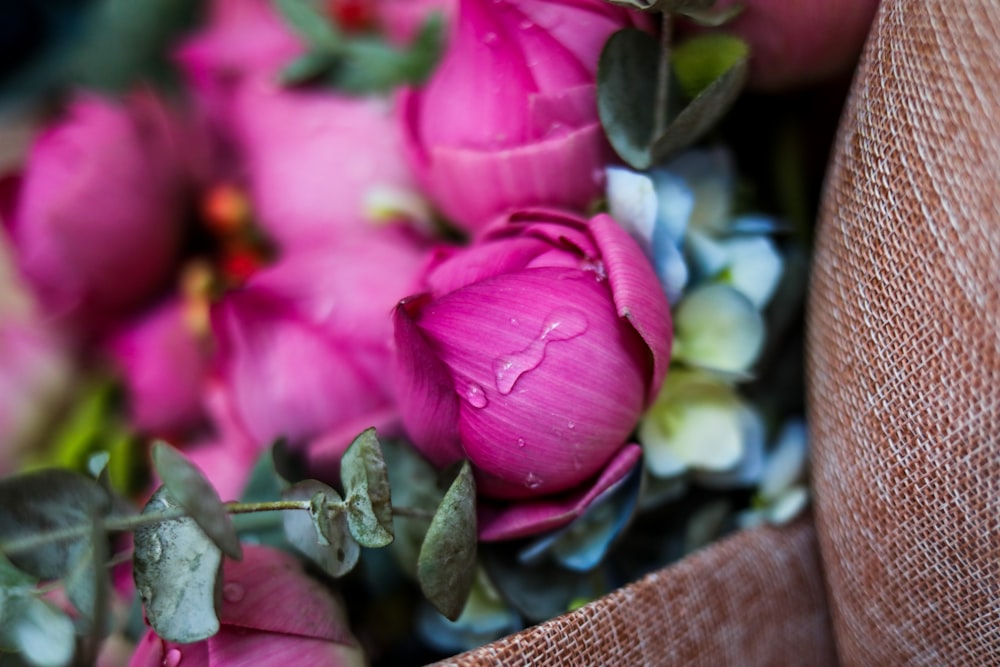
column 96, row 220
column 305, row 346
column 315, row 160
column 401, row 20
column 533, row 353
column 509, row 119
column 163, row 358
column 272, row 615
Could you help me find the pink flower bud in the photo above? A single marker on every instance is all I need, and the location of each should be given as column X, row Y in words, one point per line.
column 272, row 614
column 163, row 359
column 95, row 223
column 509, row 119
column 533, row 353
column 305, row 346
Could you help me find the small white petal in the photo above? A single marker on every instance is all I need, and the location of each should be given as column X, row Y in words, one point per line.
column 754, row 267
column 786, row 464
column 708, row 256
column 675, row 204
column 632, row 202
column 716, row 327
column 751, row 465
column 672, row 271
column 710, row 174
column 387, row 204
column 788, row 505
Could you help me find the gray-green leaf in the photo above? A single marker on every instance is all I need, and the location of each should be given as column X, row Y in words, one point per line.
column 46, row 501
column 626, row 93
column 177, row 571
column 366, row 485
column 309, row 22
column 446, row 566
column 42, row 634
column 88, row 583
column 189, row 488
column 322, row 534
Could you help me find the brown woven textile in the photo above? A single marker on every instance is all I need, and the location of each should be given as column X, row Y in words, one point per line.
column 754, row 599
column 905, row 344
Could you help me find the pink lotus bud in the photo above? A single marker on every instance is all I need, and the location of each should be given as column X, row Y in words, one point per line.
column 533, row 353
column 305, row 346
column 315, row 160
column 509, row 119
column 95, row 223
column 272, row 615
column 795, row 43
column 163, row 358
column 402, row 19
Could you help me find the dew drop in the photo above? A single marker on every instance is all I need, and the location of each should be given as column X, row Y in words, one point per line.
column 532, row 481
column 172, row 658
column 526, row 25
column 490, row 38
column 571, row 425
column 513, row 321
column 475, row 395
column 577, row 462
column 560, row 325
column 520, row 442
column 233, row 592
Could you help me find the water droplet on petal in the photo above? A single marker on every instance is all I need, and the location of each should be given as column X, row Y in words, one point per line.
column 577, row 462
column 233, row 592
column 532, row 481
column 513, row 321
column 526, row 25
column 475, row 395
column 560, row 325
column 520, row 442
column 172, row 658
column 571, row 425
column 490, row 38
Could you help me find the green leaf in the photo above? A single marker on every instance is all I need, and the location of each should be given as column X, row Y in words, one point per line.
column 421, row 491
column 88, row 583
column 366, row 485
column 626, row 93
column 309, row 22
column 177, row 570
column 42, row 633
column 703, row 112
column 45, row 501
column 446, row 566
column 701, row 60
column 308, row 68
column 322, row 534
column 198, row 498
column 13, row 578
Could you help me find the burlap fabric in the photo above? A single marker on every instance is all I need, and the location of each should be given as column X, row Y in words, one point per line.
column 904, row 363
column 905, row 344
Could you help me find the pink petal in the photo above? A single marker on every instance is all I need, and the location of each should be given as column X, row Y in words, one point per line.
column 530, row 431
column 637, row 292
column 506, row 522
column 230, row 648
column 427, row 397
column 268, row 591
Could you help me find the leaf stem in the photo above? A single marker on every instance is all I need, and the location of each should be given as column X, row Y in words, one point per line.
column 272, row 506
column 663, row 78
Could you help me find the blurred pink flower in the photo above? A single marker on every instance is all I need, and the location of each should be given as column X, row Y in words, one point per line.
column 163, row 360
column 509, row 119
column 796, row 43
column 314, row 160
column 272, row 614
column 305, row 347
column 96, row 219
column 533, row 353
column 402, row 19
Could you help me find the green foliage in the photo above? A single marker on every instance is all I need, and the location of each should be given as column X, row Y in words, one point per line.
column 177, row 570
column 360, row 64
column 366, row 485
column 700, row 61
column 189, row 488
column 446, row 567
column 323, row 534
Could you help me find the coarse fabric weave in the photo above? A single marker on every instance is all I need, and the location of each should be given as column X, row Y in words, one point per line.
column 754, row 599
column 904, row 351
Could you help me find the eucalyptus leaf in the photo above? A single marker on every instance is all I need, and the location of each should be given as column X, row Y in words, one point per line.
column 421, row 492
column 446, row 567
column 42, row 633
column 308, row 68
column 701, row 113
column 699, row 61
column 45, row 501
column 626, row 91
column 88, row 583
column 366, row 485
column 308, row 21
column 189, row 488
column 322, row 534
column 177, row 571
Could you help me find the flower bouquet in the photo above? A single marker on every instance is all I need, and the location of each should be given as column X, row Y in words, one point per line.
column 371, row 332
